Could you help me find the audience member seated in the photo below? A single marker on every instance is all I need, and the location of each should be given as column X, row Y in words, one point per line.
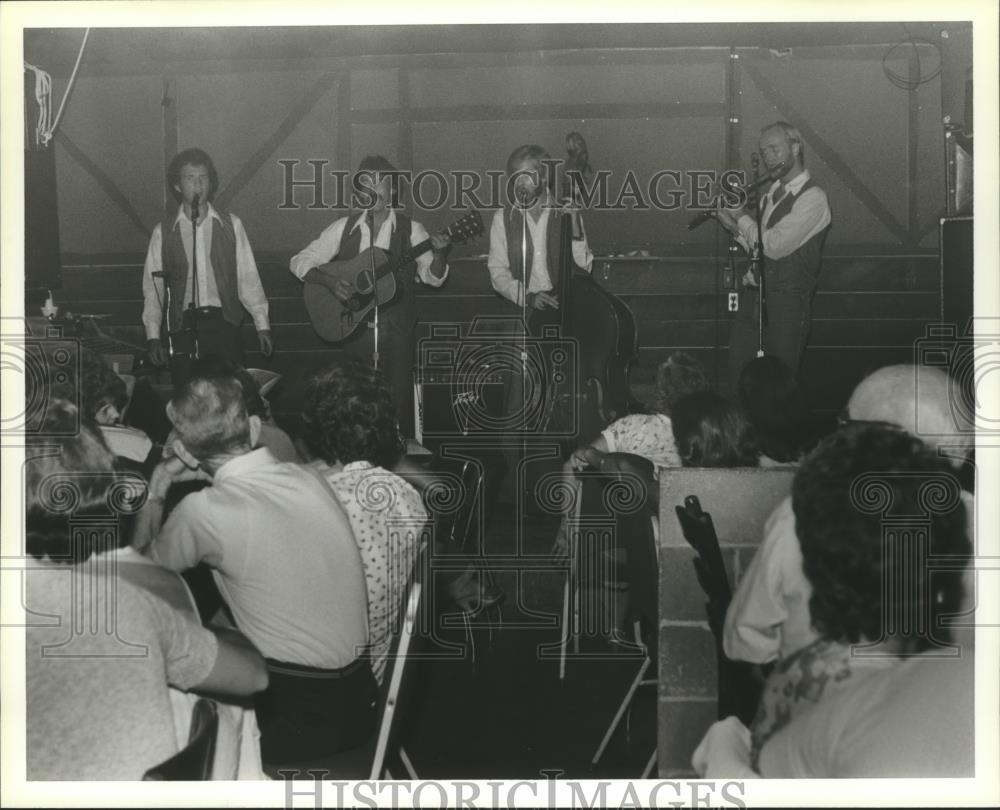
column 104, row 397
column 774, row 403
column 98, row 704
column 884, row 691
column 271, row 436
column 649, row 435
column 349, row 421
column 284, row 558
column 710, row 431
column 768, row 617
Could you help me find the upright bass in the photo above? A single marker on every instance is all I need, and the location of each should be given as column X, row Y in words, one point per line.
column 598, row 324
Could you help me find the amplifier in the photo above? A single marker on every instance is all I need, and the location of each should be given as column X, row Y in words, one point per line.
column 450, row 406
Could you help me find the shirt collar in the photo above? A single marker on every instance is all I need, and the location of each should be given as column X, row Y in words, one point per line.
column 182, row 217
column 792, row 186
column 358, row 465
column 254, row 460
column 391, row 219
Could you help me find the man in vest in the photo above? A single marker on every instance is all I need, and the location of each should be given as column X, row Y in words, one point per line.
column 795, row 217
column 225, row 287
column 524, row 251
column 394, row 233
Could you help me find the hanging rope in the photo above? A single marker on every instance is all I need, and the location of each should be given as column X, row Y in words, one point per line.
column 43, row 94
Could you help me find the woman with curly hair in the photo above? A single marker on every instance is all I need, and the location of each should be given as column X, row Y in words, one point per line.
column 883, row 532
column 349, row 423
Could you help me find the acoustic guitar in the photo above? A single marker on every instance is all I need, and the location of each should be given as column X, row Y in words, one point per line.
column 335, row 320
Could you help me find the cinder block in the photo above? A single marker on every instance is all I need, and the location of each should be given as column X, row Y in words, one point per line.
column 682, row 724
column 687, row 662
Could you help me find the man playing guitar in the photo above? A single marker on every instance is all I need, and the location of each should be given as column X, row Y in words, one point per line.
column 394, row 233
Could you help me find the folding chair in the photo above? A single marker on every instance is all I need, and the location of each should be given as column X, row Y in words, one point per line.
column 369, row 761
column 193, row 763
column 622, row 473
column 593, row 501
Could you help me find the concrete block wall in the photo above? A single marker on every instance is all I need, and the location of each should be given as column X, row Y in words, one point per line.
column 739, row 501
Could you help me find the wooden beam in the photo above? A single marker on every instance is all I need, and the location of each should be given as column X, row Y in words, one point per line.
column 301, row 109
column 168, row 104
column 405, row 151
column 344, row 120
column 829, row 155
column 106, row 184
column 542, row 112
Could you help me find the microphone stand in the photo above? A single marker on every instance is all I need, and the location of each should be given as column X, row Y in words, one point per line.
column 370, row 221
column 759, row 260
column 193, row 306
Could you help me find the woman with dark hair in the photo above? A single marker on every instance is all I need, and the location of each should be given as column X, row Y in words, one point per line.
column 710, row 431
column 98, row 704
column 349, row 423
column 874, row 508
column 776, row 407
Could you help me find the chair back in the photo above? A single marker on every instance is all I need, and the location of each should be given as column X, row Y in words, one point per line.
column 621, row 490
column 193, row 763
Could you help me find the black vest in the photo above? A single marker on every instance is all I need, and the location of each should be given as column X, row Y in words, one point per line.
column 798, row 272
column 403, row 310
column 222, row 253
column 513, row 220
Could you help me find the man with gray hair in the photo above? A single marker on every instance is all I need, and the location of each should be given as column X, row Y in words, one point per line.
column 769, row 618
column 285, row 561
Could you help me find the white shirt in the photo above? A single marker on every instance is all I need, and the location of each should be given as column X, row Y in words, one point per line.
column 540, row 279
column 248, row 285
column 284, row 558
column 810, row 214
column 327, row 245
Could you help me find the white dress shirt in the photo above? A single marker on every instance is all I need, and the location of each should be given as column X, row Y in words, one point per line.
column 327, row 245
column 810, row 214
column 248, row 285
column 540, row 279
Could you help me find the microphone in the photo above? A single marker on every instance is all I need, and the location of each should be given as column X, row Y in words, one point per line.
column 194, row 207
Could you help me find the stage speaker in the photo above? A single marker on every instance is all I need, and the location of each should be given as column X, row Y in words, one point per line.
column 957, row 272
column 42, row 269
column 451, row 408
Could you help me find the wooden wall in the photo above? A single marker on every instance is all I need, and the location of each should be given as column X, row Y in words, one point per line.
column 876, row 149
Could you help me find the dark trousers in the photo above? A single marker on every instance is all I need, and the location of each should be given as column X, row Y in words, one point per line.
column 308, row 713
column 786, row 330
column 396, row 356
column 213, row 336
